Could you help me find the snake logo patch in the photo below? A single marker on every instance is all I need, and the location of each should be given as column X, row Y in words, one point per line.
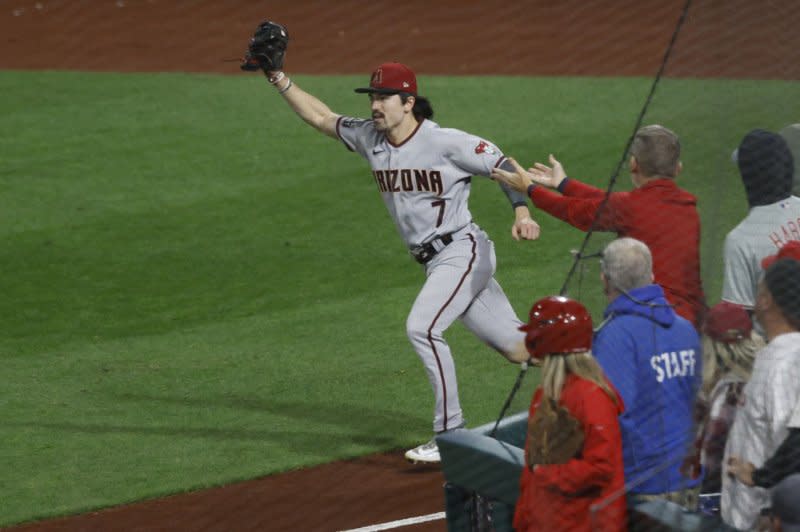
column 484, row 147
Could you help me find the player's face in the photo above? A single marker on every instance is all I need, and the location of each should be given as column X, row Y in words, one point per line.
column 388, row 110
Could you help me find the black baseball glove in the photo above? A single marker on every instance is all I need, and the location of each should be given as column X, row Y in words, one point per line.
column 267, row 48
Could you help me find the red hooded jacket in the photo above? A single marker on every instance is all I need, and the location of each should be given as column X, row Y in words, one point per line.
column 659, row 214
column 559, row 497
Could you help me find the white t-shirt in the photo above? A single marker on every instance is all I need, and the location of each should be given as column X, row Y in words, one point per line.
column 425, row 181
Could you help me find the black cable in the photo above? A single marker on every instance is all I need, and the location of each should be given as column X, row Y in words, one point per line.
column 514, row 390
column 639, row 120
column 612, row 181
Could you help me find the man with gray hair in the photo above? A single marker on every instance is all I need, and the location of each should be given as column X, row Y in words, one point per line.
column 653, row 358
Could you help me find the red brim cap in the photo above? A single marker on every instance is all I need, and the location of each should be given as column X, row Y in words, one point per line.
column 727, row 322
column 392, row 78
column 766, row 262
column 378, row 90
column 790, row 250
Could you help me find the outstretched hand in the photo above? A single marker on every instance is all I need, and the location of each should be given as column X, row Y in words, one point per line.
column 549, row 176
column 519, row 179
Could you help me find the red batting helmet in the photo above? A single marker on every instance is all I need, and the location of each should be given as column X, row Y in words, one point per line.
column 557, row 325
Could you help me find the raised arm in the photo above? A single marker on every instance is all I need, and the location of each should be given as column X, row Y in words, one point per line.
column 266, row 53
column 312, row 110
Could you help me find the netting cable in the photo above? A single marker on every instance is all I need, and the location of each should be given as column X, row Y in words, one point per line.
column 579, row 255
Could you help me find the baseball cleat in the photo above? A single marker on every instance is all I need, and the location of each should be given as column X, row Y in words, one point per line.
column 427, row 453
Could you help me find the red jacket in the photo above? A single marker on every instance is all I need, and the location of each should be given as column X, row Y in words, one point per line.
column 659, row 214
column 557, row 498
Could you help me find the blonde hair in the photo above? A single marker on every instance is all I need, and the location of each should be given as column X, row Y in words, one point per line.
column 720, row 358
column 556, row 367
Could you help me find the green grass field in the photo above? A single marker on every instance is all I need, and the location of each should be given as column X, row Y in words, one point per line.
column 197, row 288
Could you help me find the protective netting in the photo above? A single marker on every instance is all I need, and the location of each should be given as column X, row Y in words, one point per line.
column 711, row 71
column 684, row 425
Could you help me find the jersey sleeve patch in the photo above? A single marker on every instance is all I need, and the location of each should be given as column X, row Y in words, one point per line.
column 348, row 123
column 485, row 147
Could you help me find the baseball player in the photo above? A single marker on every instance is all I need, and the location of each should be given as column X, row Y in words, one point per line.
column 423, row 174
column 766, row 166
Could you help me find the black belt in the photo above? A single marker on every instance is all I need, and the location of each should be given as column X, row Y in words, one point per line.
column 425, row 252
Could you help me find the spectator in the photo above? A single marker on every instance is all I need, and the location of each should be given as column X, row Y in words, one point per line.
column 574, row 475
column 786, row 459
column 786, row 505
column 766, row 167
column 729, row 348
column 652, row 356
column 771, row 394
column 791, row 134
column 657, row 212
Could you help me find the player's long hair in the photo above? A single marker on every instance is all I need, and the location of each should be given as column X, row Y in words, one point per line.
column 556, row 367
column 422, row 106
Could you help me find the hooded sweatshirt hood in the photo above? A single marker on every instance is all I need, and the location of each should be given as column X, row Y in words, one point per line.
column 767, row 167
column 646, row 301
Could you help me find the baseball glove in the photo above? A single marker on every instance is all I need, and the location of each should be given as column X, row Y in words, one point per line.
column 267, row 48
column 554, row 435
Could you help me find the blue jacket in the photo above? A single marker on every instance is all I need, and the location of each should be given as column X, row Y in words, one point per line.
column 652, row 356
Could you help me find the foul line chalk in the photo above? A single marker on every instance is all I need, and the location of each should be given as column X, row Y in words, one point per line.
column 397, row 524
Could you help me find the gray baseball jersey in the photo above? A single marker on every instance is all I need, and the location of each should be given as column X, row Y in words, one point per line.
column 425, row 181
column 762, row 233
column 425, row 184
